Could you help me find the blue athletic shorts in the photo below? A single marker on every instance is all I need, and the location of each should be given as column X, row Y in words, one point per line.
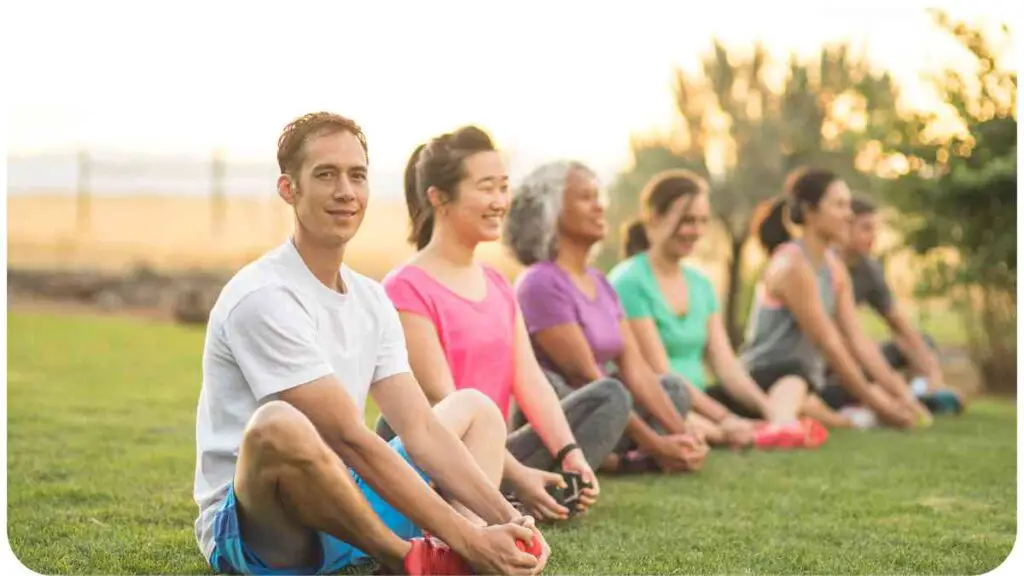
column 232, row 556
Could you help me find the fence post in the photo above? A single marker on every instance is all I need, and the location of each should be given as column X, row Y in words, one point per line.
column 83, row 215
column 218, row 203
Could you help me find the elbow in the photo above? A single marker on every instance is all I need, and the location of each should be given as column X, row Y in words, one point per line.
column 575, row 375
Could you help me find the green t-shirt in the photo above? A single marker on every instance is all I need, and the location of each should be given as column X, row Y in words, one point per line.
column 684, row 337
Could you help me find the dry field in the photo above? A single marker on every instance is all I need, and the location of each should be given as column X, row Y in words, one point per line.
column 176, row 232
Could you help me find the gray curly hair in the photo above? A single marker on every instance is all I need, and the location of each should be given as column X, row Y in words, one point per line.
column 531, row 229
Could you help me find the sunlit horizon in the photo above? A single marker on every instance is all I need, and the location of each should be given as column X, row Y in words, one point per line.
column 565, row 80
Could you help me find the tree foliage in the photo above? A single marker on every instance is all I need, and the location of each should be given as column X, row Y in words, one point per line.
column 745, row 123
column 957, row 195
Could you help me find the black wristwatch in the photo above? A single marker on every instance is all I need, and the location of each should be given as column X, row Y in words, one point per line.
column 563, row 453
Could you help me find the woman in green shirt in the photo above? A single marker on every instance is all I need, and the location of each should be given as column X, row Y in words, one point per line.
column 674, row 313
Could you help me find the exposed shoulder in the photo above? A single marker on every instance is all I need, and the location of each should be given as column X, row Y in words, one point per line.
column 788, row 265
column 837, row 270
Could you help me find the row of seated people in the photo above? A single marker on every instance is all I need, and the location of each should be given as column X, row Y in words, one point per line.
column 499, row 402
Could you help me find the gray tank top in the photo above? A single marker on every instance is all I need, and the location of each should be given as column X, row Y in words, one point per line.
column 773, row 334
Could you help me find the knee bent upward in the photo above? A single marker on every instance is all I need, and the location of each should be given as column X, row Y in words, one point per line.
column 615, row 394
column 476, row 402
column 677, row 390
column 279, row 431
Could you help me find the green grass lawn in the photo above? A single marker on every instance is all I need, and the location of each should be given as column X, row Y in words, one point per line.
column 947, row 329
column 101, row 455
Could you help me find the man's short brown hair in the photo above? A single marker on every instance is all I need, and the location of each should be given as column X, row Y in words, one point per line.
column 291, row 144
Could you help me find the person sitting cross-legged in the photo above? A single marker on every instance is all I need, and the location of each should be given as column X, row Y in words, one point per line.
column 288, row 477
column 577, row 325
column 466, row 331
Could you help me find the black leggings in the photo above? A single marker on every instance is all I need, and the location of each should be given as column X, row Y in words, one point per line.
column 765, row 377
column 837, row 396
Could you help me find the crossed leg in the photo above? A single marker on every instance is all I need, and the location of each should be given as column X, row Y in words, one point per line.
column 290, row 485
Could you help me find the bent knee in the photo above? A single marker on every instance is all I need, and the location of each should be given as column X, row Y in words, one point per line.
column 792, row 382
column 278, row 429
column 676, row 388
column 613, row 393
column 475, row 402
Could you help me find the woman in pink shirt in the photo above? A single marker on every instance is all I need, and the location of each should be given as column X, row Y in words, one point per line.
column 464, row 328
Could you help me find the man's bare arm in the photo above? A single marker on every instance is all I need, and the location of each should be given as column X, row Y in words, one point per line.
column 864, row 349
column 437, row 450
column 923, row 359
column 328, row 406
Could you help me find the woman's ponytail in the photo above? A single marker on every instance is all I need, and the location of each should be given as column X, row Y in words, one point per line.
column 636, row 240
column 421, row 213
column 769, row 223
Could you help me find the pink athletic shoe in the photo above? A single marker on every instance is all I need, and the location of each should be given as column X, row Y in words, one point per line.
column 804, row 433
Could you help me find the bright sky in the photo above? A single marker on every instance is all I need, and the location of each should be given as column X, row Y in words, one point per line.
column 564, row 78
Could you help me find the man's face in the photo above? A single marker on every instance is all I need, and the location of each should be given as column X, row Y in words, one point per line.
column 862, row 233
column 330, row 191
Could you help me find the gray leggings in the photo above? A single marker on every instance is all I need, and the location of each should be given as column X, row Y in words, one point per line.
column 597, row 415
column 673, row 384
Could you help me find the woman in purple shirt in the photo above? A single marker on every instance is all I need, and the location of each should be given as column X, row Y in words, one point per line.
column 576, row 323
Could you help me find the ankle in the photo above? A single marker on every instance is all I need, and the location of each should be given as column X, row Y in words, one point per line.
column 393, row 558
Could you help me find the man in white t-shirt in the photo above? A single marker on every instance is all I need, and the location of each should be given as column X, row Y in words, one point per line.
column 288, row 477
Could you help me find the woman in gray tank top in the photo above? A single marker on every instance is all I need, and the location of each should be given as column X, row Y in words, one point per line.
column 803, row 317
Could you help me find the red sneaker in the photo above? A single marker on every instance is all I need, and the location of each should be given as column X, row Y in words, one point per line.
column 805, row 433
column 779, row 436
column 430, row 556
column 815, row 433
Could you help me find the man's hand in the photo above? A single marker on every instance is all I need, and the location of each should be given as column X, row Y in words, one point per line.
column 894, row 413
column 923, row 416
column 575, row 462
column 545, row 553
column 530, row 485
column 492, row 550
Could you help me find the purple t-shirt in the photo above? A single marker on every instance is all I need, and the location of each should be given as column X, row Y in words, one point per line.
column 548, row 297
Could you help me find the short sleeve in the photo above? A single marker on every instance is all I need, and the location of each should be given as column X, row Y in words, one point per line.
column 544, row 301
column 404, row 295
column 632, row 296
column 272, row 338
column 392, row 354
column 879, row 296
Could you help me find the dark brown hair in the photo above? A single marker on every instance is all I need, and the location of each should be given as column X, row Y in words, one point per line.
column 656, row 198
column 438, row 163
column 862, row 206
column 291, row 144
column 804, row 189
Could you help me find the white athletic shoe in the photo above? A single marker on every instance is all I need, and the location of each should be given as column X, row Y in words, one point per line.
column 862, row 418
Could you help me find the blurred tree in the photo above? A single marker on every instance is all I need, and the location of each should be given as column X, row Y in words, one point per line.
column 745, row 132
column 957, row 195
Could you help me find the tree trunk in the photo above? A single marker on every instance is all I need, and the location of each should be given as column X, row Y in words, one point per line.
column 733, row 325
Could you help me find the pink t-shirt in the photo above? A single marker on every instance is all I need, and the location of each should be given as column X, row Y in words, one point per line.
column 478, row 337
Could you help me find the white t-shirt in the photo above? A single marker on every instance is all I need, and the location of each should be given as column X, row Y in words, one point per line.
column 273, row 327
